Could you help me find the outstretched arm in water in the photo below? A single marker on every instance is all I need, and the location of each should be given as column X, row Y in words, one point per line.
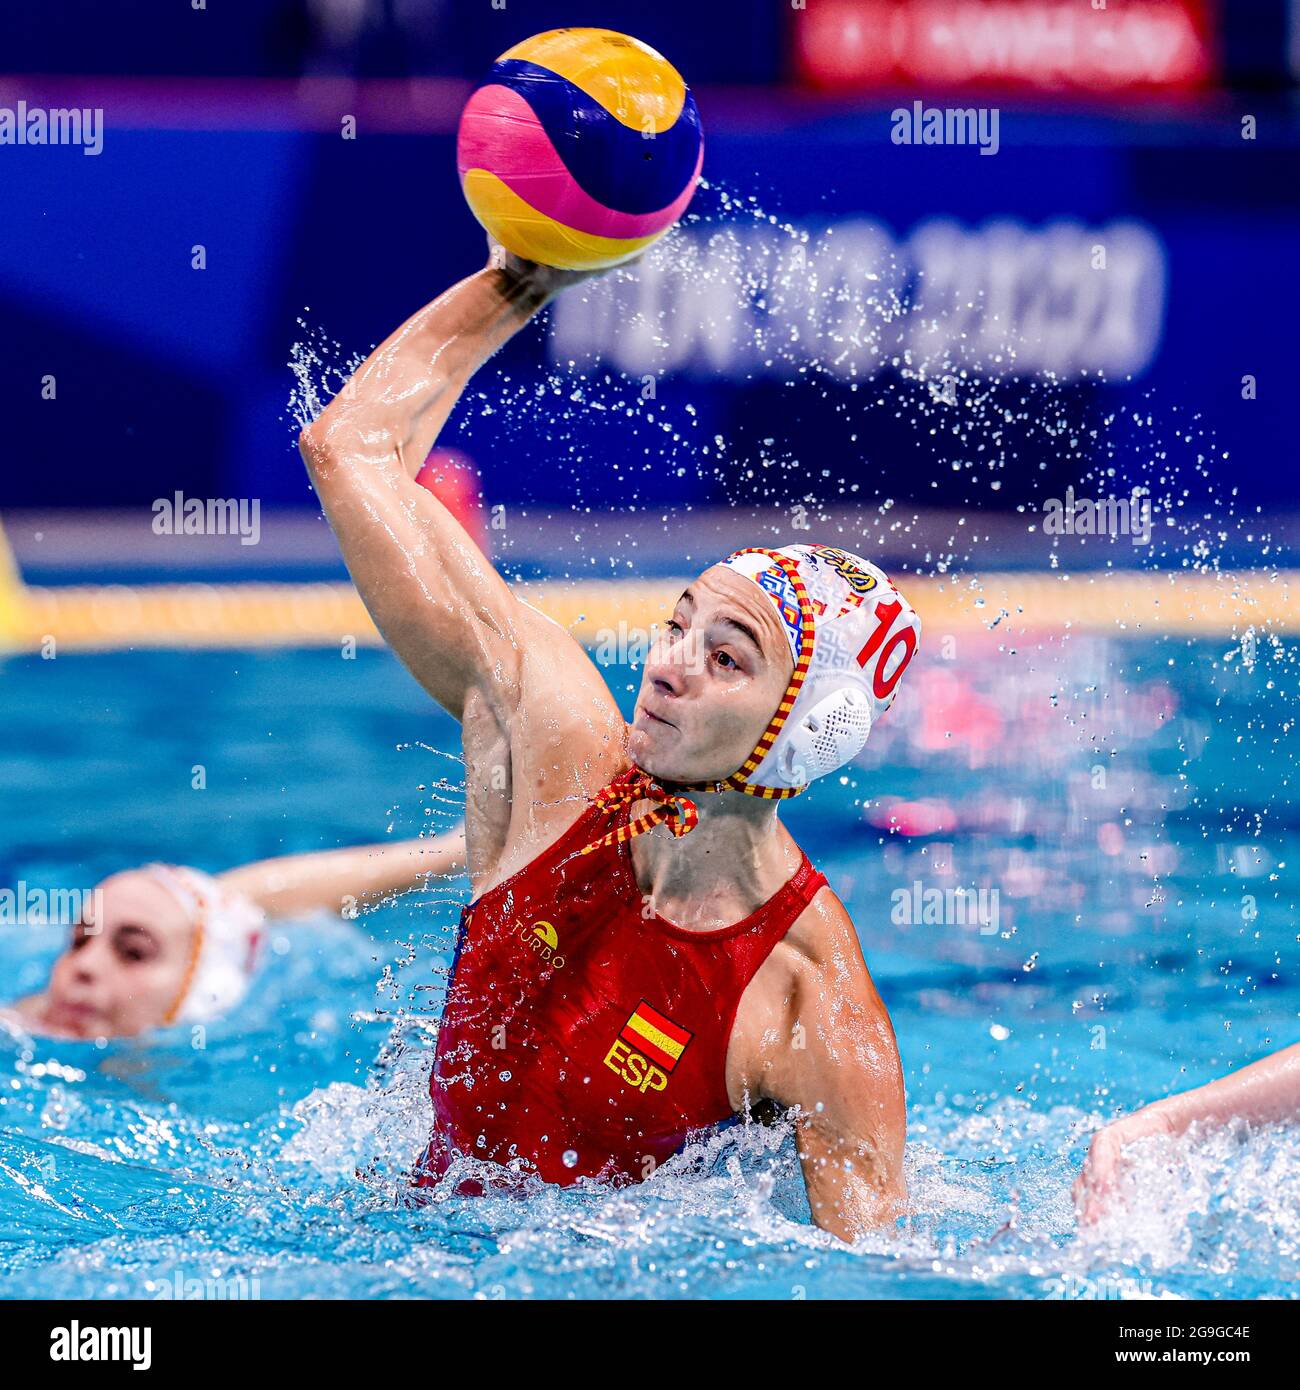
column 336, row 879
column 1264, row 1092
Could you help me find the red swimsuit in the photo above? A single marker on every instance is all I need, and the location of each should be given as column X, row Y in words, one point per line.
column 584, row 1035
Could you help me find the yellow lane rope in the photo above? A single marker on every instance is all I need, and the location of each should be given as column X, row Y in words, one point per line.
column 11, row 597
column 596, row 611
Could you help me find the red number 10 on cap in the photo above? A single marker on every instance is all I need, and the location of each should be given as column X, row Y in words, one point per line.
column 882, row 685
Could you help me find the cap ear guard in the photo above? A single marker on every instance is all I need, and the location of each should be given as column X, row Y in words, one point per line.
column 833, row 732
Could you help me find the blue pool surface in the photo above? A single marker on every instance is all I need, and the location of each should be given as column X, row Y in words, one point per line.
column 1130, row 800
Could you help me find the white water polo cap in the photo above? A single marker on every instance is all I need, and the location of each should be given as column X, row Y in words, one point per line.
column 851, row 635
column 227, row 935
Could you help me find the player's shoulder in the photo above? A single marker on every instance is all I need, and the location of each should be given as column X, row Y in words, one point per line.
column 815, row 979
column 824, row 933
column 820, row 956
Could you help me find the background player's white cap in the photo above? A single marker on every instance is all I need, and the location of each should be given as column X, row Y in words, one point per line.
column 228, row 928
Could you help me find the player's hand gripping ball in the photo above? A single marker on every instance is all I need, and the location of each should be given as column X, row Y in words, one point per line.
column 581, row 148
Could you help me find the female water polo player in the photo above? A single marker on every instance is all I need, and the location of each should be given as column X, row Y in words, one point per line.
column 648, row 953
column 1265, row 1092
column 175, row 945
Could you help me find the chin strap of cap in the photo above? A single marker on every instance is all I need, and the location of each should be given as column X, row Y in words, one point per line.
column 678, row 811
column 168, row 876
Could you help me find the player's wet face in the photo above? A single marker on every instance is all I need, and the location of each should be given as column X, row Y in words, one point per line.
column 712, row 681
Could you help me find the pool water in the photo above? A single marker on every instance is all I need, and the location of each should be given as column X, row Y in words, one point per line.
column 1130, row 801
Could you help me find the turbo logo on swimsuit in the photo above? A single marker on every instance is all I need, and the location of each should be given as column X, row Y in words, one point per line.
column 647, row 1049
column 542, row 938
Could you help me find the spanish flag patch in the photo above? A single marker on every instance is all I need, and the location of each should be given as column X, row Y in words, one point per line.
column 656, row 1036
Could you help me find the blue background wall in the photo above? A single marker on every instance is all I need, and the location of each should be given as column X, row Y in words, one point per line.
column 168, row 377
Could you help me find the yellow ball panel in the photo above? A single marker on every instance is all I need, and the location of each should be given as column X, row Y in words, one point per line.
column 636, row 85
column 536, row 237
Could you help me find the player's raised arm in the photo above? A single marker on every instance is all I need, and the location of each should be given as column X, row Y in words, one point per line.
column 438, row 601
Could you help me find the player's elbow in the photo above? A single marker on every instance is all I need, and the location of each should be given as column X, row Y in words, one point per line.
column 328, row 453
column 314, row 446
column 343, row 448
